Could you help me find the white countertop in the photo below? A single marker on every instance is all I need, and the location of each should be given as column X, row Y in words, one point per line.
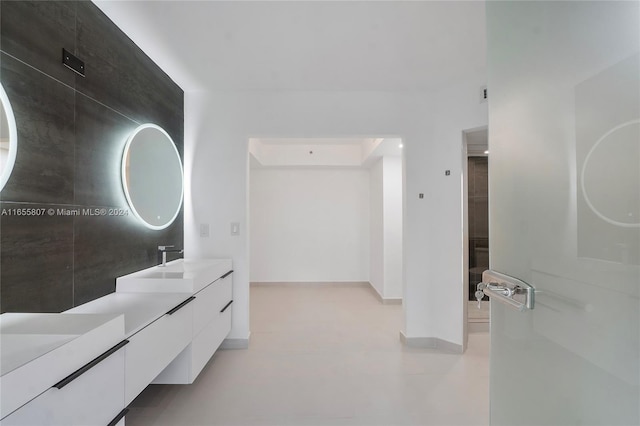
column 139, row 309
column 178, row 276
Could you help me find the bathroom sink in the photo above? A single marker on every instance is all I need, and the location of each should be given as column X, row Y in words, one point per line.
column 178, row 276
column 19, row 349
column 39, row 350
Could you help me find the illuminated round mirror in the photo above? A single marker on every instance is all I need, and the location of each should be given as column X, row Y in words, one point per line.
column 152, row 176
column 8, row 138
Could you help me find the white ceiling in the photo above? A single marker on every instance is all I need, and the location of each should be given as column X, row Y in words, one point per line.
column 307, row 45
column 321, row 152
column 313, row 141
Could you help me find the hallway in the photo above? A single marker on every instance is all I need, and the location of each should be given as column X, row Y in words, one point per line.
column 326, row 355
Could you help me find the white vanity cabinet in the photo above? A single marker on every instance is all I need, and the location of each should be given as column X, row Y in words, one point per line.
column 94, row 397
column 154, row 347
column 61, row 369
column 158, row 327
column 211, row 324
column 64, row 370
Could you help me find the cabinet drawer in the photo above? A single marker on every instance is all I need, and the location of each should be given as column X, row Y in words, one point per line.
column 154, row 347
column 93, row 398
column 209, row 340
column 209, row 301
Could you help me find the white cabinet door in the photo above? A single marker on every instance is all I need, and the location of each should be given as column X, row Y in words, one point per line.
column 210, row 339
column 155, row 346
column 210, row 301
column 211, row 324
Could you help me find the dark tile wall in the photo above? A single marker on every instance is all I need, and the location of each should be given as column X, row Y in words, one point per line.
column 478, row 180
column 71, row 133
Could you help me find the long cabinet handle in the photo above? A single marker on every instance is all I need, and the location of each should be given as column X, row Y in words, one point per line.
column 119, row 417
column 79, row 372
column 226, row 306
column 181, row 305
column 227, row 274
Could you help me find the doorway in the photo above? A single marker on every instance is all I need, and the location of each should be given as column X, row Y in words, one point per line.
column 327, row 211
column 476, row 217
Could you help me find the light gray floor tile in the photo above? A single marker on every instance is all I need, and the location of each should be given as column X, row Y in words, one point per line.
column 333, row 357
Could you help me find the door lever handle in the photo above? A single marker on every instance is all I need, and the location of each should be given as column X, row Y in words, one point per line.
column 508, row 290
column 499, row 288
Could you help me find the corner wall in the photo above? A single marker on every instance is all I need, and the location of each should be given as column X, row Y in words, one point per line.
column 376, row 227
column 385, row 271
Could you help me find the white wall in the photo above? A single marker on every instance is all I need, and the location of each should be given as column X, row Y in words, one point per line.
column 217, row 129
column 392, row 227
column 376, row 233
column 309, row 224
column 433, row 239
column 386, row 227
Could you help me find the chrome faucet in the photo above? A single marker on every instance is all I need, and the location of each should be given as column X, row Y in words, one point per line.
column 162, row 253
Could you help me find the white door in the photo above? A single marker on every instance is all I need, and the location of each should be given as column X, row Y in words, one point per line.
column 564, row 196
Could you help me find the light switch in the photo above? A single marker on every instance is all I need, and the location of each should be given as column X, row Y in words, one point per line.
column 204, row 230
column 235, row 228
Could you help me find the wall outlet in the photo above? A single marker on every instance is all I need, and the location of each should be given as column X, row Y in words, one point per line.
column 204, row 230
column 235, row 228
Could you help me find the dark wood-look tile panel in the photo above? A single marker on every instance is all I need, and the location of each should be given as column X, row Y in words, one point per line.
column 101, row 134
column 36, row 31
column 44, row 112
column 36, row 259
column 122, row 76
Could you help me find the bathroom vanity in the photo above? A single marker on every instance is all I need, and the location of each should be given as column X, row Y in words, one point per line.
column 61, row 369
column 162, row 325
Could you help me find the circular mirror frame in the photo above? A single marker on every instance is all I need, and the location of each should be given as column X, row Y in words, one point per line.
column 125, row 186
column 13, row 138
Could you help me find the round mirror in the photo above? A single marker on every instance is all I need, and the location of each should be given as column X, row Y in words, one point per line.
column 152, row 176
column 8, row 138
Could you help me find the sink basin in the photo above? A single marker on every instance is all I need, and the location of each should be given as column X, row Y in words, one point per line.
column 19, row 349
column 39, row 350
column 178, row 276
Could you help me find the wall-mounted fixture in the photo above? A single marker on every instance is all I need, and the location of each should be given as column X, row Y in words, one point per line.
column 72, row 62
column 152, row 176
column 8, row 138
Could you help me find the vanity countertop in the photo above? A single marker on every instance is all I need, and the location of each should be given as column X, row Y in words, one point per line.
column 178, row 276
column 139, row 309
column 37, row 350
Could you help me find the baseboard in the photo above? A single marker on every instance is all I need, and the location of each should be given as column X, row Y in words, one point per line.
column 232, row 344
column 431, row 343
column 384, row 300
column 310, row 283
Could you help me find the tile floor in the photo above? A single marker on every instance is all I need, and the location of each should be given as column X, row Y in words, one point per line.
column 326, row 356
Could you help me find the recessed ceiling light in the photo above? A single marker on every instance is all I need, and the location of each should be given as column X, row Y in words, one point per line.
column 400, row 145
column 487, row 152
